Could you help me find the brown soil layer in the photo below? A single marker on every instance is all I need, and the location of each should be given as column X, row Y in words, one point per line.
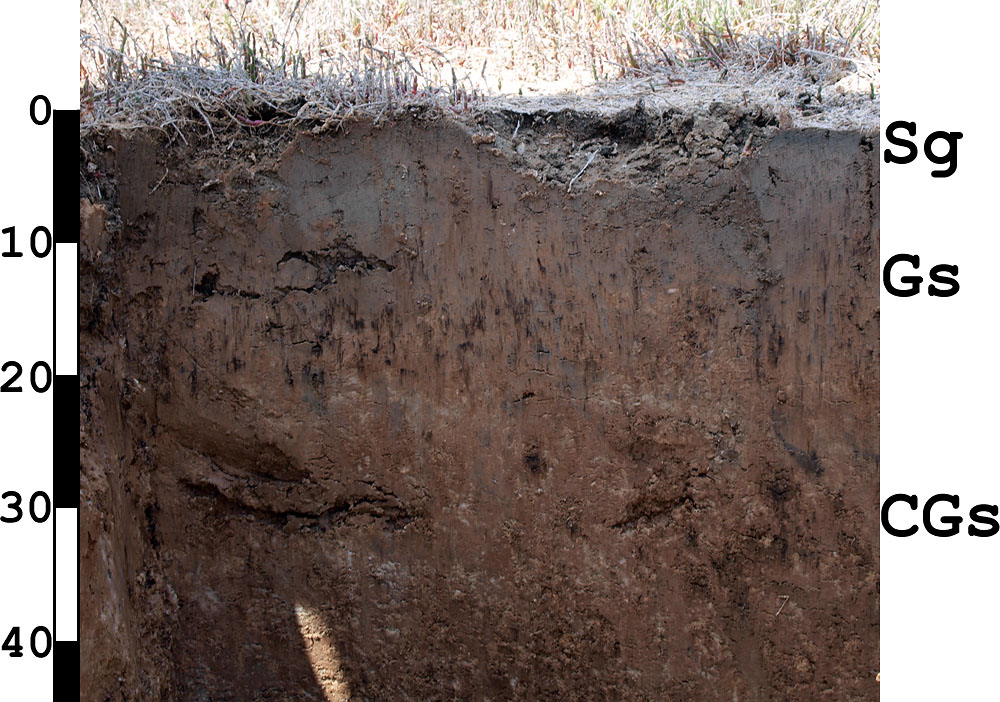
column 381, row 415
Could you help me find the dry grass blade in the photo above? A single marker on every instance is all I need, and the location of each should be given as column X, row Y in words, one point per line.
column 272, row 62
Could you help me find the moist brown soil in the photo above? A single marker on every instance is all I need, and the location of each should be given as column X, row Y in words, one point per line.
column 395, row 413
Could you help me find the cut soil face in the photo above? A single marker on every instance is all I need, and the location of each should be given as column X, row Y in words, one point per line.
column 381, row 414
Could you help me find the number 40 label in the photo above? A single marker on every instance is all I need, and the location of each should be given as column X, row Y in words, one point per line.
column 40, row 642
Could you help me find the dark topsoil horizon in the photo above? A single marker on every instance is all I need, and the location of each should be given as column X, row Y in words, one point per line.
column 423, row 412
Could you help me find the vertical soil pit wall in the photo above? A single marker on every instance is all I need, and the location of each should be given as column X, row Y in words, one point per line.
column 379, row 414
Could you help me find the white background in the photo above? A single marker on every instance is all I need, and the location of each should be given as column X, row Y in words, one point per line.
column 940, row 377
column 39, row 54
column 940, row 380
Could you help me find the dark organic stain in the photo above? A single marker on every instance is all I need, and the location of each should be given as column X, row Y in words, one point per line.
column 381, row 505
column 341, row 256
column 150, row 513
column 208, row 283
column 807, row 459
column 533, row 460
column 317, row 377
column 780, row 487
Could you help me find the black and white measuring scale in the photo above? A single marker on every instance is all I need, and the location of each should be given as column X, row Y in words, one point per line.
column 28, row 636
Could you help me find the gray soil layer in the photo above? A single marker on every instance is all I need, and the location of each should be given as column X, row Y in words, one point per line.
column 423, row 412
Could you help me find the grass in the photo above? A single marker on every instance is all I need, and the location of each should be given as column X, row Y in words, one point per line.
column 268, row 61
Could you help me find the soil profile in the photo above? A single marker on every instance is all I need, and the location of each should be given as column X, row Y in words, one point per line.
column 541, row 405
